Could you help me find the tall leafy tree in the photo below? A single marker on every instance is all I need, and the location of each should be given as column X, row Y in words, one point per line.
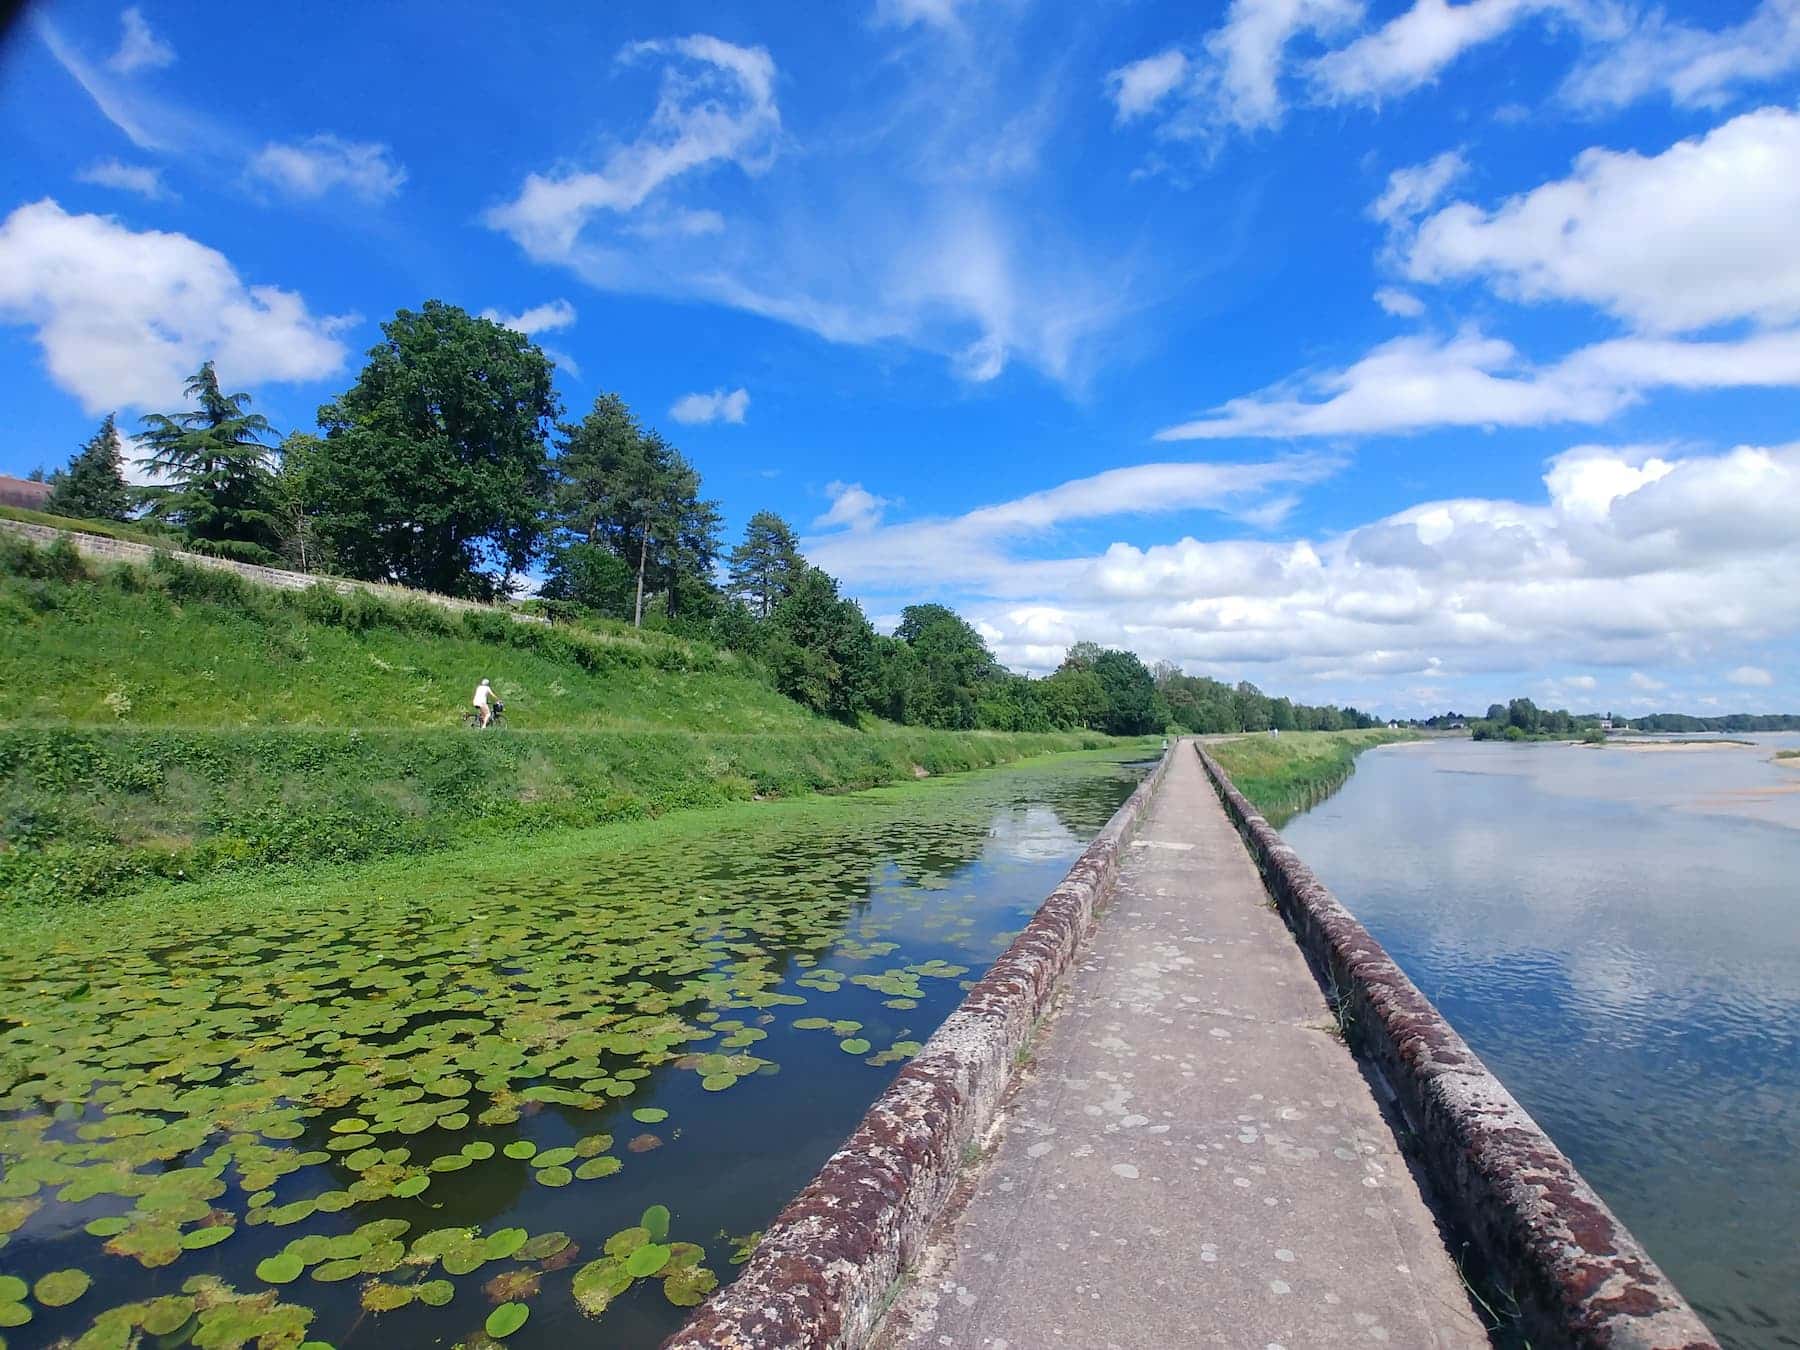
column 824, row 650
column 954, row 663
column 1133, row 707
column 214, row 470
column 626, row 488
column 434, row 469
column 93, row 486
column 763, row 569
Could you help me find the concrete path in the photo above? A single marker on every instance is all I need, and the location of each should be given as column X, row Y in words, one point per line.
column 1194, row 1159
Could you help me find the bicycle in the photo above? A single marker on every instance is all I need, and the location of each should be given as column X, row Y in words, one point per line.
column 472, row 718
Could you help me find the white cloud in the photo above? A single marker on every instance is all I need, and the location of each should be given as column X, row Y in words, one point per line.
column 1250, row 48
column 1472, row 380
column 138, row 178
column 123, row 316
column 1413, row 191
column 1695, row 67
column 716, row 106
column 139, row 48
column 718, row 406
column 546, row 318
column 1700, row 234
column 1412, row 48
column 926, row 251
column 1138, row 87
column 1751, row 677
column 147, row 122
column 308, row 169
column 1401, row 304
column 1631, row 560
column 852, row 506
column 930, row 13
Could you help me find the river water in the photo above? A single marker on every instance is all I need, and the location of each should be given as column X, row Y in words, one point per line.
column 440, row 1108
column 1617, row 933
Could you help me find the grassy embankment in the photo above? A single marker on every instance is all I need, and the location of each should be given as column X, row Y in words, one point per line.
column 170, row 722
column 1283, row 775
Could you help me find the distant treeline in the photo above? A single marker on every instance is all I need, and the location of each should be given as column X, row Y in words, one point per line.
column 1521, row 719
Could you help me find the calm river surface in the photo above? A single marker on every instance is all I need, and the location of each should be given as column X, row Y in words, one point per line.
column 1617, row 933
column 396, row 1113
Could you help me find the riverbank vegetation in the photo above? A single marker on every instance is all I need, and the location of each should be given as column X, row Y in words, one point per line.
column 1283, row 775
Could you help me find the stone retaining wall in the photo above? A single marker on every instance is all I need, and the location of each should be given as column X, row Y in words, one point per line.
column 105, row 549
column 1580, row 1278
column 822, row 1274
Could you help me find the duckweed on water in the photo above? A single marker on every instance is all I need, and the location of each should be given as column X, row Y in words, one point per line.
column 333, row 1109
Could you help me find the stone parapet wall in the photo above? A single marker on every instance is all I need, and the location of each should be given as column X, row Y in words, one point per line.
column 823, row 1272
column 104, row 549
column 1580, row 1278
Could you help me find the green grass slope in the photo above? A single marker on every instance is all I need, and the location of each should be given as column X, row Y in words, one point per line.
column 171, row 722
column 1283, row 775
column 180, row 646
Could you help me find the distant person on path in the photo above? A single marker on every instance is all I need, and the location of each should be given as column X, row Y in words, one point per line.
column 483, row 693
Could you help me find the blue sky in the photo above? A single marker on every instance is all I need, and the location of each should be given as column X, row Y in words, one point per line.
column 1408, row 353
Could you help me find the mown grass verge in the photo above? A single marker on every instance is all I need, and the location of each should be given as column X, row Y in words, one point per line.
column 87, row 813
column 1283, row 775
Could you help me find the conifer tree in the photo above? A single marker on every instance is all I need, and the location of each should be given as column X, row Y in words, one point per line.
column 214, row 471
column 764, row 568
column 93, row 486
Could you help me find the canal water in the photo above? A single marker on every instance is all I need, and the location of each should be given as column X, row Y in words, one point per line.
column 545, row 1104
column 1617, row 933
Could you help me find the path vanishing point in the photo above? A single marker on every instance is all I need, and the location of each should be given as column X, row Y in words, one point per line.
column 1143, row 1130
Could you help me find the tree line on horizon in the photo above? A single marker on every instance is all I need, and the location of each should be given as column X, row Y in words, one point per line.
column 447, row 466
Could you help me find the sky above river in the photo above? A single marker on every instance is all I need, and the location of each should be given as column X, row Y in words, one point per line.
column 1405, row 353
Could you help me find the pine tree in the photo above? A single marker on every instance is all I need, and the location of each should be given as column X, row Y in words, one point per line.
column 215, row 472
column 93, row 486
column 764, row 568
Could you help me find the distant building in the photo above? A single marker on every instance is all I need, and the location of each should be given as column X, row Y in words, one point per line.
column 23, row 492
column 1606, row 724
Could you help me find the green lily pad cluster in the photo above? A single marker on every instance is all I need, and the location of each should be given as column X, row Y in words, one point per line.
column 297, row 1096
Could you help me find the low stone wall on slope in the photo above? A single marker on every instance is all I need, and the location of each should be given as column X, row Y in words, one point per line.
column 104, row 549
column 823, row 1271
column 1580, row 1278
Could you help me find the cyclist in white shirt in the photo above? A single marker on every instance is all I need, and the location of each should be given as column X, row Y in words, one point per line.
column 483, row 692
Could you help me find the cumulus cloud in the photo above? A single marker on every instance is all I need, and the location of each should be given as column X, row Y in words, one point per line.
column 123, row 316
column 1633, row 558
column 853, row 507
column 139, row 48
column 1413, row 191
column 718, row 406
column 546, row 318
column 1751, row 677
column 1139, row 86
column 309, row 169
column 1472, row 380
column 1401, row 304
column 1700, row 234
column 1411, row 49
column 139, row 178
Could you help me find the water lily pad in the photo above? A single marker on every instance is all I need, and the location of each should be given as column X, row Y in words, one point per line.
column 595, row 1168
column 14, row 1314
column 111, row 1226
column 167, row 1315
column 330, row 1272
column 380, row 1297
column 655, row 1222
column 542, row 1245
column 688, row 1286
column 598, row 1283
column 554, row 1176
column 646, row 1260
column 626, row 1241
column 718, row 1082
column 513, row 1286
column 479, row 1150
column 411, row 1186
column 198, row 1239
column 434, row 1293
column 554, row 1157
column 506, row 1319
column 649, row 1115
column 13, row 1289
column 590, row 1145
column 280, row 1268
column 503, row 1242
column 520, row 1148
column 856, row 1045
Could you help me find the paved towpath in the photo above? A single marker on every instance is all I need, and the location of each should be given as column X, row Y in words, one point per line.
column 1194, row 1160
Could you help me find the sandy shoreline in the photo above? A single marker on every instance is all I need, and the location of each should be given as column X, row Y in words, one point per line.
column 1648, row 747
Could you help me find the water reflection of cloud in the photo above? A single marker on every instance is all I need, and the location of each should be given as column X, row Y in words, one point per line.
column 1029, row 834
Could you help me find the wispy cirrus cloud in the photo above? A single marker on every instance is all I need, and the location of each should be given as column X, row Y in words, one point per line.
column 550, row 317
column 319, row 165
column 142, row 179
column 139, row 47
